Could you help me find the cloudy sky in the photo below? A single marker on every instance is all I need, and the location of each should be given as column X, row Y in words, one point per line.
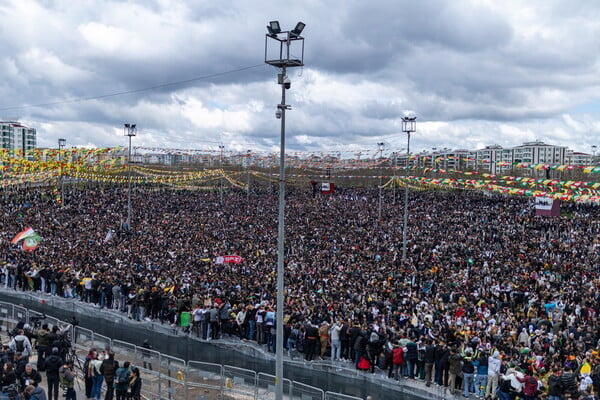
column 191, row 74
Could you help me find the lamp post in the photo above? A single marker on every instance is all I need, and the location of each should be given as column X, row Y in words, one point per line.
column 61, row 145
column 130, row 130
column 248, row 177
column 221, row 148
column 594, row 154
column 282, row 41
column 409, row 124
column 380, row 146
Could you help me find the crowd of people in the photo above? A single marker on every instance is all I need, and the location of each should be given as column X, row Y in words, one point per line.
column 489, row 292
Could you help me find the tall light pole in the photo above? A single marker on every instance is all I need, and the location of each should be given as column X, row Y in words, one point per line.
column 409, row 125
column 221, row 148
column 282, row 41
column 380, row 146
column 130, row 130
column 395, row 155
column 248, row 152
column 61, row 145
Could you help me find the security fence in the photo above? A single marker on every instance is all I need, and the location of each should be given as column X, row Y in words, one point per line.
column 170, row 378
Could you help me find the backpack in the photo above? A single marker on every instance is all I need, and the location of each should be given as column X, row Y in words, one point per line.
column 122, row 376
column 20, row 345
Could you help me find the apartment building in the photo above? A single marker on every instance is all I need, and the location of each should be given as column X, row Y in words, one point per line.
column 16, row 137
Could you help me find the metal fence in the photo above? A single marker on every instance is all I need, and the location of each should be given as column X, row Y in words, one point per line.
column 171, row 378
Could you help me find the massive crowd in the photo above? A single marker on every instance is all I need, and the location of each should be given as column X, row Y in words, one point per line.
column 490, row 295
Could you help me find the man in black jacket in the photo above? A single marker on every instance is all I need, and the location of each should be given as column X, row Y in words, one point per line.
column 429, row 359
column 30, row 376
column 108, row 369
column 442, row 352
column 569, row 382
column 53, row 363
column 312, row 335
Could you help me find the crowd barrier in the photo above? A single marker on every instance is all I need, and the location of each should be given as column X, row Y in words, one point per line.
column 170, row 378
column 167, row 377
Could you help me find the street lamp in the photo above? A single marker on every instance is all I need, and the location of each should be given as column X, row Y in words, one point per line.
column 282, row 41
column 409, row 124
column 380, row 146
column 61, row 145
column 130, row 130
column 221, row 148
column 248, row 152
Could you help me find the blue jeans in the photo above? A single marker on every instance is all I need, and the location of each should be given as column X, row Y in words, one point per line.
column 96, row 392
column 468, row 381
column 480, row 383
column 291, row 345
column 251, row 329
column 336, row 349
column 410, row 368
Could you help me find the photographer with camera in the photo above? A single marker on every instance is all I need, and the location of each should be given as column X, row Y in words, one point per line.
column 67, row 380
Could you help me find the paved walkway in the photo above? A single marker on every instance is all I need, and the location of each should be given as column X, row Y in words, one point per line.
column 79, row 386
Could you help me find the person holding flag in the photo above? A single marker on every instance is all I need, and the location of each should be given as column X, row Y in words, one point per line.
column 30, row 238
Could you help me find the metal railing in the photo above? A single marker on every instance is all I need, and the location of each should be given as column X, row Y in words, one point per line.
column 170, row 378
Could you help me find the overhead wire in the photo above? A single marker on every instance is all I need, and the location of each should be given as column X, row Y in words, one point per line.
column 146, row 89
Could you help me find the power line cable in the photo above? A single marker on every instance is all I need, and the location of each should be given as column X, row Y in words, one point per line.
column 146, row 89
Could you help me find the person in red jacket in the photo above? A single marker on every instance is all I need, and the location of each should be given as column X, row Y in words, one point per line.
column 397, row 361
column 530, row 386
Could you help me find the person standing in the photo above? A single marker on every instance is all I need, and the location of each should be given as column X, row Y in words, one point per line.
column 336, row 341
column 323, row 339
column 429, row 358
column 135, row 385
column 87, row 371
column 454, row 369
column 122, row 377
column 97, row 378
column 494, row 364
column 43, row 346
column 53, row 363
column 108, row 368
column 147, row 355
column 67, row 380
column 21, row 344
column 311, row 341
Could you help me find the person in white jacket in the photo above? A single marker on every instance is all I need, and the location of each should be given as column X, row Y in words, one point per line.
column 336, row 343
column 494, row 363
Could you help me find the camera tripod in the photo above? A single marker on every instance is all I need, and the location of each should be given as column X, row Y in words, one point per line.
column 71, row 355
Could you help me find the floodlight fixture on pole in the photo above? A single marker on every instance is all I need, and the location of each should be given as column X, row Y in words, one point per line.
column 278, row 53
column 298, row 29
column 274, row 28
column 130, row 131
column 409, row 125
